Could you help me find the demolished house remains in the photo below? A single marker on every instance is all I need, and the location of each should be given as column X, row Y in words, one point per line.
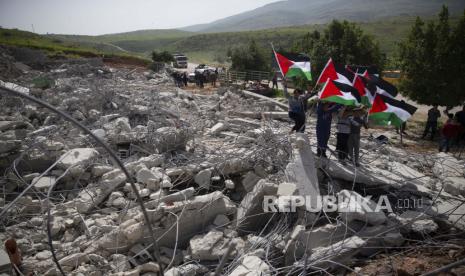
column 201, row 166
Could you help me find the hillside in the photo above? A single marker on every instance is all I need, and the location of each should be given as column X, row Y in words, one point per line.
column 59, row 47
column 206, row 47
column 302, row 12
column 127, row 36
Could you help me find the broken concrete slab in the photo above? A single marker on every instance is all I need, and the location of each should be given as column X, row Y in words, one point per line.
column 244, row 123
column 447, row 165
column 353, row 206
column 416, row 222
column 249, row 180
column 339, row 253
column 251, row 265
column 183, row 195
column 203, row 178
column 250, row 214
column 150, row 178
column 301, row 170
column 218, row 128
column 229, row 184
column 454, row 185
column 261, row 97
column 207, row 247
column 74, row 260
column 44, row 183
column 287, row 189
column 263, row 115
column 77, row 157
column 94, row 194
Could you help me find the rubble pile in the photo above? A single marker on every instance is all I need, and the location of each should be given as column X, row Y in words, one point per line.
column 203, row 166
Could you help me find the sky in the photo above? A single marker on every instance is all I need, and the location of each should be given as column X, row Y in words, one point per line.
column 95, row 17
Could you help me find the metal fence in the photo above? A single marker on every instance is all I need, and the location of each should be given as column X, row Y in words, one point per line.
column 230, row 76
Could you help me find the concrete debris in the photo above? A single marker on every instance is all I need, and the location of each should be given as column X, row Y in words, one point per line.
column 250, row 214
column 335, row 254
column 301, row 170
column 353, row 206
column 206, row 167
column 229, row 184
column 250, row 180
column 208, row 247
column 76, row 157
column 203, row 178
column 44, row 183
column 252, row 265
column 416, row 222
column 219, row 127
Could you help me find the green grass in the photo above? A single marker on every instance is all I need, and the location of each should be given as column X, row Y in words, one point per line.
column 55, row 46
column 277, row 93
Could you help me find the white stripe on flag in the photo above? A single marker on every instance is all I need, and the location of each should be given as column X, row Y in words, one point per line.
column 399, row 112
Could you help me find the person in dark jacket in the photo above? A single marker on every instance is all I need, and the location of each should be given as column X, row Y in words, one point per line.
column 184, row 79
column 343, row 132
column 275, row 81
column 324, row 113
column 461, row 120
column 297, row 107
column 449, row 132
column 432, row 122
column 357, row 120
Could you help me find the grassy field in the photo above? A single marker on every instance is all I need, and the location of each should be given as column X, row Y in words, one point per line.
column 59, row 47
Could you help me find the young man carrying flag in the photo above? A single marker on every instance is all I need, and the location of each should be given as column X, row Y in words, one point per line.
column 295, row 66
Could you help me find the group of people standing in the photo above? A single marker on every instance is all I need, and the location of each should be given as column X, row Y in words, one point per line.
column 180, row 79
column 452, row 132
column 350, row 122
column 206, row 76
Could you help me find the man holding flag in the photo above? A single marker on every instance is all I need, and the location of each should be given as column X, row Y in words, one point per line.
column 295, row 66
column 297, row 107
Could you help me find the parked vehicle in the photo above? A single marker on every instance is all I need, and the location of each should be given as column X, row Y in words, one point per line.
column 203, row 67
column 180, row 61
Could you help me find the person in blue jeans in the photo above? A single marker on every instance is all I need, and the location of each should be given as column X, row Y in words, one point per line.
column 324, row 113
column 297, row 107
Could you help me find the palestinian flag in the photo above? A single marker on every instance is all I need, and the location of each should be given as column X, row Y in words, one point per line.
column 387, row 111
column 360, row 83
column 335, row 72
column 382, row 86
column 294, row 65
column 340, row 93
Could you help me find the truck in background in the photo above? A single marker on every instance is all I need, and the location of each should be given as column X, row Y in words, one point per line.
column 180, row 60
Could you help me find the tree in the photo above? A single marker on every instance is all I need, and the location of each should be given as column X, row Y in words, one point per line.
column 162, row 56
column 250, row 58
column 431, row 59
column 344, row 42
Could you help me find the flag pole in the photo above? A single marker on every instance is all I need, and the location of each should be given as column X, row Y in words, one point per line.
column 276, row 57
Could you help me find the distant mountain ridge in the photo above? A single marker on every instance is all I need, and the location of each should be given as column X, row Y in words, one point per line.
column 302, row 12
